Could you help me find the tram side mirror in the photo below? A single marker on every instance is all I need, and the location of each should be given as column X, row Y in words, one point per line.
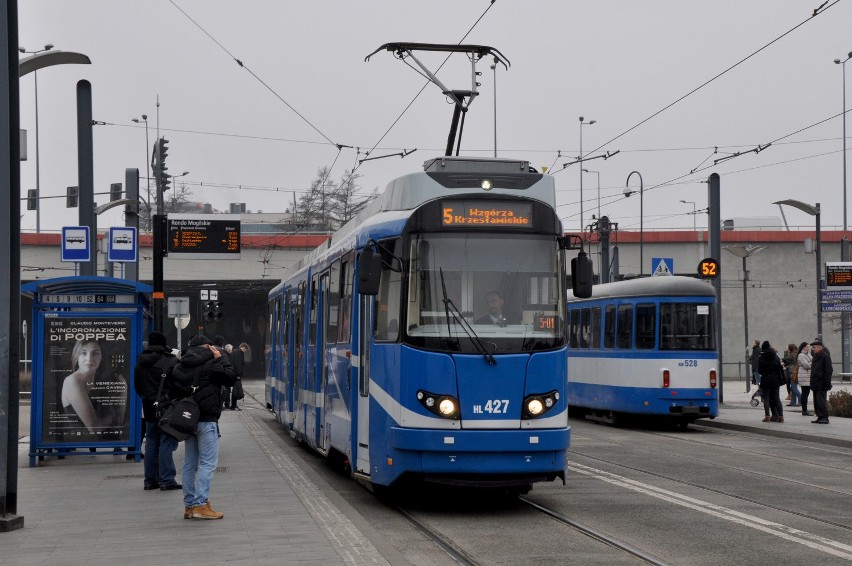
column 369, row 272
column 582, row 276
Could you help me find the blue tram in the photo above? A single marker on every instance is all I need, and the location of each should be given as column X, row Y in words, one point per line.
column 644, row 347
column 426, row 339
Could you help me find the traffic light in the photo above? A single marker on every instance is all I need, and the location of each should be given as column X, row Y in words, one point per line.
column 32, row 199
column 71, row 194
column 212, row 311
column 115, row 192
column 160, row 170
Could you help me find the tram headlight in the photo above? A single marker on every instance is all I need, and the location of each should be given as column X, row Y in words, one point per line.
column 442, row 405
column 447, row 407
column 539, row 404
column 486, row 184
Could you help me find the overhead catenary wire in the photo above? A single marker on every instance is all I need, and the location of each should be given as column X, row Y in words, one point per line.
column 817, row 12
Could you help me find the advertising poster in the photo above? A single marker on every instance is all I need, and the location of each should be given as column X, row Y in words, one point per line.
column 85, row 379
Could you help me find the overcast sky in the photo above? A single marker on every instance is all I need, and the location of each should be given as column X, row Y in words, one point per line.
column 616, row 62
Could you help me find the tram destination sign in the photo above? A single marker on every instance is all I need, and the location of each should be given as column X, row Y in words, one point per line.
column 204, row 236
column 485, row 214
column 838, row 275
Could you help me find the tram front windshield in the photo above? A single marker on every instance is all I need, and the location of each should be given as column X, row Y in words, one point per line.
column 502, row 291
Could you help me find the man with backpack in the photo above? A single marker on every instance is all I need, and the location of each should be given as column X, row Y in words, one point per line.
column 201, row 373
column 153, row 377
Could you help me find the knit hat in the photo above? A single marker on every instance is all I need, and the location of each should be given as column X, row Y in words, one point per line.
column 198, row 340
column 765, row 346
column 219, row 340
column 157, row 339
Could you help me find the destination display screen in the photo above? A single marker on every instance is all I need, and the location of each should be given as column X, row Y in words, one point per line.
column 204, row 236
column 483, row 214
column 838, row 274
column 546, row 323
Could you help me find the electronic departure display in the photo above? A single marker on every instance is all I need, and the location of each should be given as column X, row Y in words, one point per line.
column 209, row 236
column 483, row 214
column 838, row 274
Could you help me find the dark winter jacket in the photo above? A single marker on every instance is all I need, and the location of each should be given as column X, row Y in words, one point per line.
column 150, row 366
column 821, row 371
column 769, row 368
column 755, row 356
column 238, row 361
column 212, row 374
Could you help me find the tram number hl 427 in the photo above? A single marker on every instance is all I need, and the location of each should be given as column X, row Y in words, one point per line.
column 492, row 406
column 708, row 268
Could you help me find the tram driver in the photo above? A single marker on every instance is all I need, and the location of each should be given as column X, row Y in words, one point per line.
column 495, row 314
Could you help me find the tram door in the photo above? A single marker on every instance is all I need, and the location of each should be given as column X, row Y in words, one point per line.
column 365, row 316
column 322, row 362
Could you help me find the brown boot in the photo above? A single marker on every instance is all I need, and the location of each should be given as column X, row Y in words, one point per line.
column 766, row 419
column 780, row 420
column 187, row 512
column 206, row 512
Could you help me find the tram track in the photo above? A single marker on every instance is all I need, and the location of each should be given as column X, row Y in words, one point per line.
column 772, row 478
column 594, row 534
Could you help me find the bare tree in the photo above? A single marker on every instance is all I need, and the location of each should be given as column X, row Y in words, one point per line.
column 329, row 204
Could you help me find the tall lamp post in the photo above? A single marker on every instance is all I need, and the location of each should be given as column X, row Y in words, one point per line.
column 582, row 123
column 844, row 247
column 627, row 193
column 47, row 47
column 813, row 210
column 745, row 252
column 147, row 163
column 694, row 224
column 174, row 181
column 598, row 173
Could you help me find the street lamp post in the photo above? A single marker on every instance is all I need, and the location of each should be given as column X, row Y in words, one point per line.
column 174, row 181
column 147, row 163
column 844, row 248
column 744, row 252
column 627, row 193
column 47, row 47
column 694, row 224
column 582, row 123
column 598, row 173
column 813, row 210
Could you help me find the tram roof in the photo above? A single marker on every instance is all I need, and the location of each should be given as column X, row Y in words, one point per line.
column 674, row 285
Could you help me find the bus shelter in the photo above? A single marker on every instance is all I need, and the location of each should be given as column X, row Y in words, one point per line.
column 87, row 333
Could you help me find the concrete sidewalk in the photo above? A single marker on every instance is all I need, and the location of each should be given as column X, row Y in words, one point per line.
column 92, row 510
column 737, row 414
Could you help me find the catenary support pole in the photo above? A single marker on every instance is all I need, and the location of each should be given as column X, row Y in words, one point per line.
column 713, row 202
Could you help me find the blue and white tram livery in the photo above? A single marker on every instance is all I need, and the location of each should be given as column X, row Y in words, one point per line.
column 645, row 347
column 378, row 353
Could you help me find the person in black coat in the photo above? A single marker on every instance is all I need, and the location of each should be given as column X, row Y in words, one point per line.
column 771, row 379
column 202, row 372
column 153, row 367
column 821, row 371
column 238, row 360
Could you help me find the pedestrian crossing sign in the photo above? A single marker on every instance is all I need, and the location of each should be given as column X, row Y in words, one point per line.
column 662, row 266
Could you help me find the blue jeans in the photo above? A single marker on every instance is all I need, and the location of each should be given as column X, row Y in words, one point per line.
column 795, row 394
column 199, row 463
column 755, row 377
column 159, row 459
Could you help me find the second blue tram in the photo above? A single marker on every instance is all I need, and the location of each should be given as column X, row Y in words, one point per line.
column 379, row 350
column 645, row 347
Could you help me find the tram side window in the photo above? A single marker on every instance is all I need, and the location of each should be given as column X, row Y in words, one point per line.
column 687, row 326
column 388, row 300
column 272, row 332
column 312, row 330
column 609, row 328
column 574, row 328
column 585, row 330
column 596, row 328
column 345, row 311
column 331, row 309
column 625, row 326
column 646, row 326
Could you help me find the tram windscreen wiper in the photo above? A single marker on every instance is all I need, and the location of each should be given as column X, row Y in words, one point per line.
column 450, row 309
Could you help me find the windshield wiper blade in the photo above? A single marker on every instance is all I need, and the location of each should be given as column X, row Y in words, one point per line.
column 450, row 308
